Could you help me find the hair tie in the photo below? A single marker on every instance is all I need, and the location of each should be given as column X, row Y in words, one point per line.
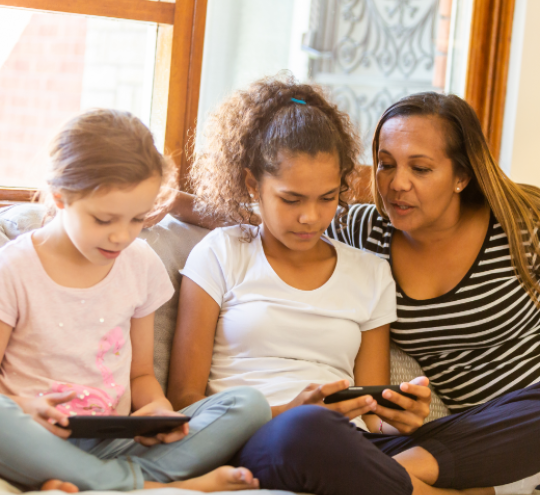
column 302, row 102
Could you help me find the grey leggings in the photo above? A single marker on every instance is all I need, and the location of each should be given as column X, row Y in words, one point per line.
column 220, row 425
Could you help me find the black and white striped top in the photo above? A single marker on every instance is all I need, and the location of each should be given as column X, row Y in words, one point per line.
column 476, row 342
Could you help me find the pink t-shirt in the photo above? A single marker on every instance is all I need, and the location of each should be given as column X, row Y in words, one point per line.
column 75, row 339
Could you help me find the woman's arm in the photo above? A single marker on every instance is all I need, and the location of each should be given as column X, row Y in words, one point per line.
column 183, row 208
column 193, row 345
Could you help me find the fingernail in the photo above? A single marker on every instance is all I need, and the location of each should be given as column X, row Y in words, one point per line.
column 369, row 400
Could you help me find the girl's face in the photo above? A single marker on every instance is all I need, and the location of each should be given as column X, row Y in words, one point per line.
column 298, row 204
column 102, row 224
column 415, row 177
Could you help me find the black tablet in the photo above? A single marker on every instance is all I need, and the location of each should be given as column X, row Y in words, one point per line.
column 122, row 426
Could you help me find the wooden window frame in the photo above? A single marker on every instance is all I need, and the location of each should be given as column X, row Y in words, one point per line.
column 487, row 72
column 180, row 51
column 177, row 76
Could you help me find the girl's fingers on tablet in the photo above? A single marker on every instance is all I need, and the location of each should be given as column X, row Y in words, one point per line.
column 147, row 441
column 55, row 415
column 172, row 437
column 55, row 430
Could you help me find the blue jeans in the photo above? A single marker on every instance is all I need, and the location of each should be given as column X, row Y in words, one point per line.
column 220, row 425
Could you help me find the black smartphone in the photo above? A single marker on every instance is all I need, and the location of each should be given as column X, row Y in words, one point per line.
column 375, row 391
column 122, row 426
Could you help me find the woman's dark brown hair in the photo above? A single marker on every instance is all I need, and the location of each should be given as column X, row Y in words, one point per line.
column 251, row 128
column 516, row 206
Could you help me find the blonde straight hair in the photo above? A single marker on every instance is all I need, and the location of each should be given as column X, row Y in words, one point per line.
column 515, row 206
column 101, row 149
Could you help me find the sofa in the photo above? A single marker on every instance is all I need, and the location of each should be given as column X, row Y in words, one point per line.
column 172, row 240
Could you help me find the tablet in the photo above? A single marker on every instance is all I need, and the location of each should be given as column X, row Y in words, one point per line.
column 122, row 426
column 375, row 391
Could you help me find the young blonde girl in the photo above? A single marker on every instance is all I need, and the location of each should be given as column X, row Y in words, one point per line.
column 77, row 303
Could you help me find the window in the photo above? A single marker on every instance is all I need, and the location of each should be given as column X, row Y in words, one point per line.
column 366, row 53
column 58, row 57
column 318, row 40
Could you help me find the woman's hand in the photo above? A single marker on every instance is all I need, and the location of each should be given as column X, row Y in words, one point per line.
column 43, row 411
column 161, row 408
column 314, row 394
column 416, row 411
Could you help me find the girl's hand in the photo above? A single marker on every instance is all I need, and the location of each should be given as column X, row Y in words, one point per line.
column 314, row 394
column 416, row 411
column 161, row 408
column 43, row 411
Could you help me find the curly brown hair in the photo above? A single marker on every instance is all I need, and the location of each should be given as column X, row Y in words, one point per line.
column 251, row 128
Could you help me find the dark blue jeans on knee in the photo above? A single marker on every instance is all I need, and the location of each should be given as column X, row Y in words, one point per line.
column 311, row 449
column 314, row 450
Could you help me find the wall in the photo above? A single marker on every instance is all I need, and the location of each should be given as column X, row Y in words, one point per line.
column 521, row 132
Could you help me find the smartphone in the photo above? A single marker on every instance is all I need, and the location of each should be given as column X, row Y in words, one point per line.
column 375, row 392
column 122, row 426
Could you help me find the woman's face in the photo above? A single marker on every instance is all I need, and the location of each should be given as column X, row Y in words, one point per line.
column 298, row 204
column 415, row 177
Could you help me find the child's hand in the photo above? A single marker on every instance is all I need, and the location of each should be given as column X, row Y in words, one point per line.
column 43, row 411
column 161, row 408
column 314, row 394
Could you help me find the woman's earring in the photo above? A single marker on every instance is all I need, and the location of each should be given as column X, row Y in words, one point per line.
column 457, row 189
column 251, row 196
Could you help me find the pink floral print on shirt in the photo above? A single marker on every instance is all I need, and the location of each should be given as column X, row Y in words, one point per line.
column 92, row 401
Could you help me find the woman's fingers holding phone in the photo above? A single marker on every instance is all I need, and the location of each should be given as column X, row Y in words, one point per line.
column 415, row 411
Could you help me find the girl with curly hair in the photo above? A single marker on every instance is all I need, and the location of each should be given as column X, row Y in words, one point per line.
column 270, row 301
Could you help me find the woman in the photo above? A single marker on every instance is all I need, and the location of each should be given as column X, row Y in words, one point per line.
column 452, row 263
column 457, row 233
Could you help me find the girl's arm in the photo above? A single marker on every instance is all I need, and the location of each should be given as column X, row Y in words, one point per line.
column 193, row 345
column 41, row 409
column 147, row 397
column 145, row 388
column 372, row 367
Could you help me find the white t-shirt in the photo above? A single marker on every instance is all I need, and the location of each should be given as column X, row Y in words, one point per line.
column 275, row 337
column 69, row 339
